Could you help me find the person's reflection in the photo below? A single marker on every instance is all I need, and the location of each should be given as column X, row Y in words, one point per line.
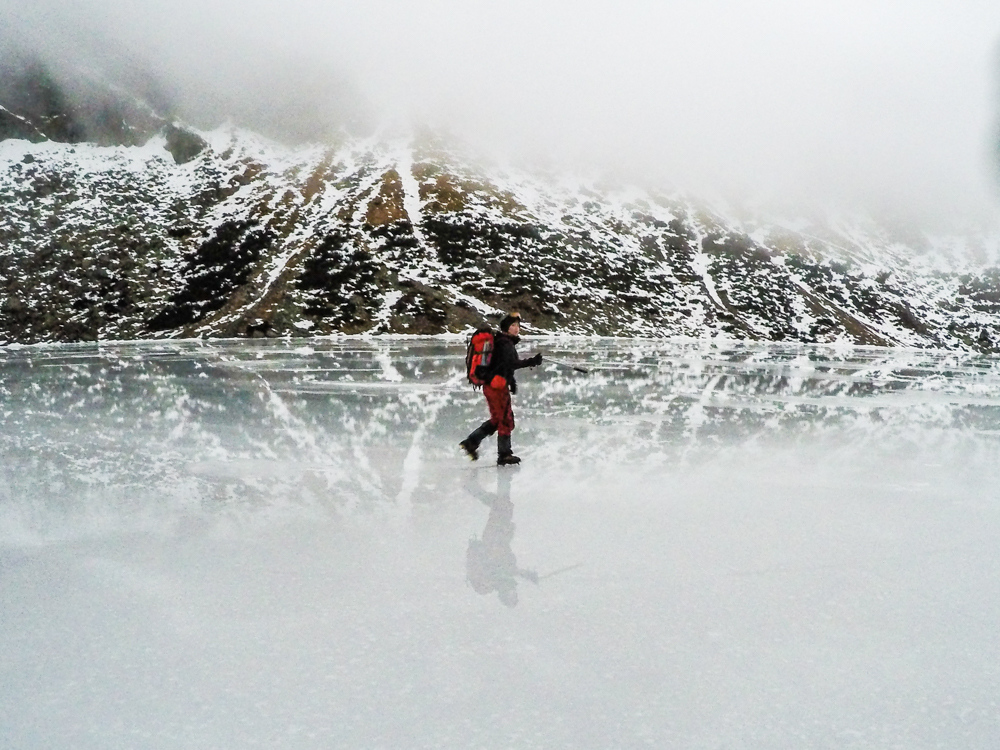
column 490, row 564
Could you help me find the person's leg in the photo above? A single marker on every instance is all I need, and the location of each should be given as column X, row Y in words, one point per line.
column 498, row 400
column 505, row 454
column 471, row 444
column 494, row 401
column 505, row 426
column 502, row 416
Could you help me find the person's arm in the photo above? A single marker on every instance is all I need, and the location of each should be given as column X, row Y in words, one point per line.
column 529, row 362
column 528, row 575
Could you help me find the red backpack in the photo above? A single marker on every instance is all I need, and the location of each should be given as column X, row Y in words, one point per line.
column 478, row 356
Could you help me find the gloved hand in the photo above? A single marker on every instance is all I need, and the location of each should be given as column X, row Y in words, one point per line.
column 498, row 382
column 535, row 361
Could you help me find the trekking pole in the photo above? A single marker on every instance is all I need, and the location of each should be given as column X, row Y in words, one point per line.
column 561, row 570
column 567, row 364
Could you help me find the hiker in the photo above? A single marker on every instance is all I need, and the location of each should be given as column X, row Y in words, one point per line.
column 499, row 384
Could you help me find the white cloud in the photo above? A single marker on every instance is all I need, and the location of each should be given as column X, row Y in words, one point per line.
column 886, row 103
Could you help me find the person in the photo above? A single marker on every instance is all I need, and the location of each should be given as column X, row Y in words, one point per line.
column 500, row 384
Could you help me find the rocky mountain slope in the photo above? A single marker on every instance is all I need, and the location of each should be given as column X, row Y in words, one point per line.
column 142, row 228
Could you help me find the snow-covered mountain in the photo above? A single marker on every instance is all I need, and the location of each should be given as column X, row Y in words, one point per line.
column 178, row 233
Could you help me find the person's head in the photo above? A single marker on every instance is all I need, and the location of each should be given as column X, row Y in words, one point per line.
column 511, row 324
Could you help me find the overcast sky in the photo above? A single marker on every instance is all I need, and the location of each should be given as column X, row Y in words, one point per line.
column 864, row 102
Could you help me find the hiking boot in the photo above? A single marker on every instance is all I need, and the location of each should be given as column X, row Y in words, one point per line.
column 471, row 444
column 505, row 456
column 470, row 448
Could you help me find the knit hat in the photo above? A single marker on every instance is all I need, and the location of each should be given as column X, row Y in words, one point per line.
column 511, row 319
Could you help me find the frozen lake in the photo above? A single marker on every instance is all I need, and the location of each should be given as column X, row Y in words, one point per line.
column 278, row 545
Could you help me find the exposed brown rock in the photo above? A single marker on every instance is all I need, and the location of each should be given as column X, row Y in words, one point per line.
column 387, row 206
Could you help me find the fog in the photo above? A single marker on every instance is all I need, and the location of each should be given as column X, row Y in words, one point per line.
column 886, row 106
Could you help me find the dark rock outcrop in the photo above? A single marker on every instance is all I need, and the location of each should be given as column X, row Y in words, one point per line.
column 182, row 144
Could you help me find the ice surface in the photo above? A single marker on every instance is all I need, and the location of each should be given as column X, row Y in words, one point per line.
column 271, row 544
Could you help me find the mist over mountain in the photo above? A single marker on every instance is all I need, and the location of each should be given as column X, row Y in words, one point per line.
column 888, row 107
column 199, row 74
column 216, row 173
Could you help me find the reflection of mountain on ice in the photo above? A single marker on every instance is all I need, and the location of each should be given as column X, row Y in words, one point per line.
column 250, row 544
column 146, row 431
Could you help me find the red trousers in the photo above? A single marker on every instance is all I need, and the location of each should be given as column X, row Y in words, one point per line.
column 501, row 413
